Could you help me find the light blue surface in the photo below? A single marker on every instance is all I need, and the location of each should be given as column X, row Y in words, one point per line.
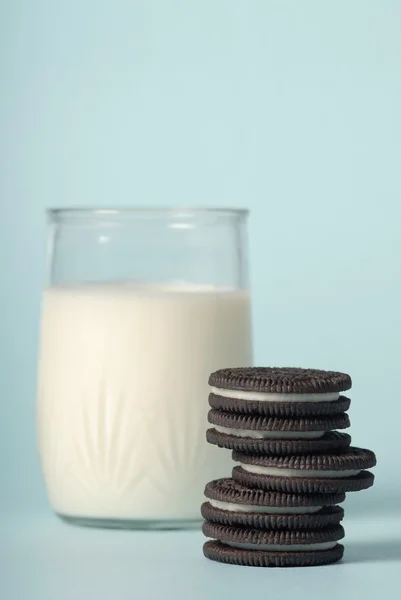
column 45, row 560
column 289, row 108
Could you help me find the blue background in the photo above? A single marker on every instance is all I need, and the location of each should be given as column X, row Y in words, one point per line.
column 289, row 108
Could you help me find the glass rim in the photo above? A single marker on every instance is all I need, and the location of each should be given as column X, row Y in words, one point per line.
column 174, row 211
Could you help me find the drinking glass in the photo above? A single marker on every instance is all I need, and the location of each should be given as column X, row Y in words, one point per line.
column 140, row 307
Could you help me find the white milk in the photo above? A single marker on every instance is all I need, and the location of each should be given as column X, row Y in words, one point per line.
column 123, row 396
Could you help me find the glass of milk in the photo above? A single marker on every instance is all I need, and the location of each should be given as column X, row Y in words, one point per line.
column 141, row 306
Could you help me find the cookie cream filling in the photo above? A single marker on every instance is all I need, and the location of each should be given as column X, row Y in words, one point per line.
column 276, row 471
column 269, row 510
column 270, row 397
column 283, row 547
column 271, row 435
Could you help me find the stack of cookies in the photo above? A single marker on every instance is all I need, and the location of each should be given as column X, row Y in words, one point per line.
column 280, row 508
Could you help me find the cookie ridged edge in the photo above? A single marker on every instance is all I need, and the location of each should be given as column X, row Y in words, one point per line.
column 328, row 516
column 245, row 535
column 351, row 459
column 217, row 551
column 279, row 409
column 304, row 485
column 270, row 423
column 228, row 490
column 327, row 443
column 281, row 380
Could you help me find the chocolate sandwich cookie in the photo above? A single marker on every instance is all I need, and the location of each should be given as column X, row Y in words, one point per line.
column 230, row 503
column 272, row 435
column 281, row 392
column 264, row 548
column 307, row 474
